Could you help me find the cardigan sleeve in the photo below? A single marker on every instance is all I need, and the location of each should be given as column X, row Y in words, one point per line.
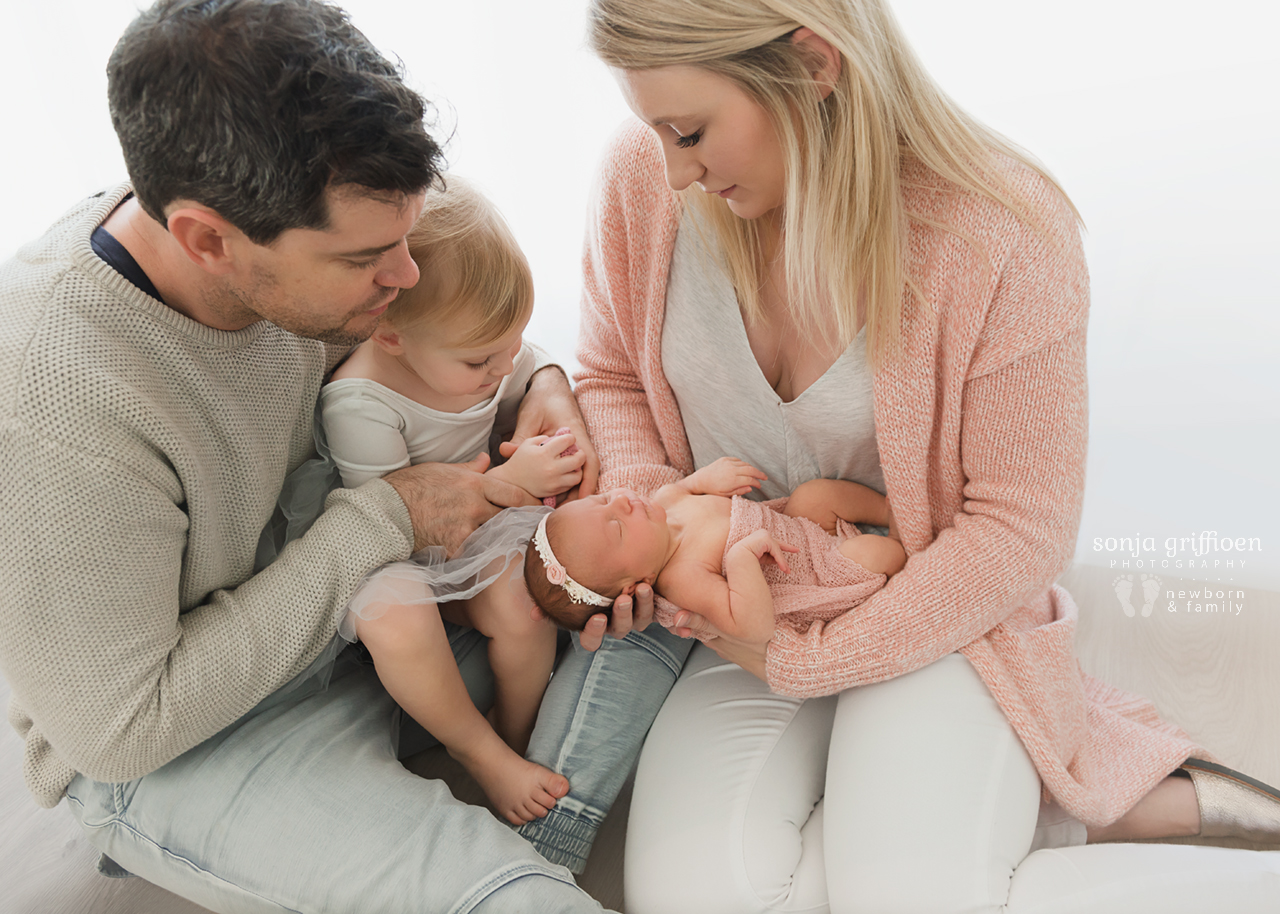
column 619, row 291
column 1022, row 446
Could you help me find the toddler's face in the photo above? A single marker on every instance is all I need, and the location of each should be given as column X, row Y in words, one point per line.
column 616, row 539
column 434, row 354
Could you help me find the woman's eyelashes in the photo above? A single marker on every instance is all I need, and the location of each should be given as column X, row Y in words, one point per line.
column 688, row 140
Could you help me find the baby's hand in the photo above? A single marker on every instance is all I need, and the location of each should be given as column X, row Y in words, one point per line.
column 766, row 549
column 545, row 471
column 727, row 476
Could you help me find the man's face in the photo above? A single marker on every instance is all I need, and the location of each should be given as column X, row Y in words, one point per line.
column 333, row 284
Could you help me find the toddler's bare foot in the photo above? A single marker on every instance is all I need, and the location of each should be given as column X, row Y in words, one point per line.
column 520, row 790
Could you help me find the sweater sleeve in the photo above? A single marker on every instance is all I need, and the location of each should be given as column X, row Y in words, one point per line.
column 618, row 286
column 1023, row 438
column 113, row 680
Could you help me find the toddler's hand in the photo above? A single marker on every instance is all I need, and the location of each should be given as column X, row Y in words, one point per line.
column 727, row 476
column 766, row 549
column 546, row 471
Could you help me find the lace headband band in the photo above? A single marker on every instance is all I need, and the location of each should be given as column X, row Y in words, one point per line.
column 556, row 573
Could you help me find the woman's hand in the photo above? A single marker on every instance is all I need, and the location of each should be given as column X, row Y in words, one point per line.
column 547, row 406
column 748, row 654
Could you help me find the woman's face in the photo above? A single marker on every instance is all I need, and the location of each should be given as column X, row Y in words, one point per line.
column 713, row 135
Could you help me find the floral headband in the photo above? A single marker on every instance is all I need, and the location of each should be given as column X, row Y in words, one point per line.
column 556, row 573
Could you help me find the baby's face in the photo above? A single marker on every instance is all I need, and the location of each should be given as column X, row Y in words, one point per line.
column 616, row 539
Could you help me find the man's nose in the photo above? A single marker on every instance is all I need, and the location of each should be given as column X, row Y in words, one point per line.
column 399, row 271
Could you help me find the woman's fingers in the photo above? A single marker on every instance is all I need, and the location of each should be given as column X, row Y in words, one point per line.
column 689, row 625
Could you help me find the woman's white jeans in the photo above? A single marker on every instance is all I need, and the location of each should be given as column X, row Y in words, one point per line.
column 912, row 795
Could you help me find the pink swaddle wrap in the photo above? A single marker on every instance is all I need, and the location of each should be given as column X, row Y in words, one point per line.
column 822, row 583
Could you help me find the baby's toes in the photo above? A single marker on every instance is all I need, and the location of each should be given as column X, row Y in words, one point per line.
column 542, row 799
column 534, row 809
column 557, row 785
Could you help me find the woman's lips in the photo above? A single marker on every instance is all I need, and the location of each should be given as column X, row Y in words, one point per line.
column 728, row 190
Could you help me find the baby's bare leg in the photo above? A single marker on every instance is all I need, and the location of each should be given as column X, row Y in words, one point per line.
column 877, row 554
column 824, row 500
column 411, row 653
column 521, row 654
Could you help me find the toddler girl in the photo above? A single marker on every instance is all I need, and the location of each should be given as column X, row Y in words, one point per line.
column 711, row 553
column 444, row 368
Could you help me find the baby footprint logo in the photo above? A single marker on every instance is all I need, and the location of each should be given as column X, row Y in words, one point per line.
column 1150, row 590
column 1123, row 587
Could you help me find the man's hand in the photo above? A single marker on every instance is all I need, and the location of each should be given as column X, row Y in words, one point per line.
column 547, row 406
column 448, row 501
column 727, row 476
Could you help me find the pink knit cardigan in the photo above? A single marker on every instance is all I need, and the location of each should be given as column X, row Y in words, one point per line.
column 982, row 429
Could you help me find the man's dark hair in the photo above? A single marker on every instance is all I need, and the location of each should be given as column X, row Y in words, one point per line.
column 254, row 107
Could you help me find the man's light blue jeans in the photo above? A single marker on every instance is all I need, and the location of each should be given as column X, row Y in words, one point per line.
column 302, row 805
column 592, row 724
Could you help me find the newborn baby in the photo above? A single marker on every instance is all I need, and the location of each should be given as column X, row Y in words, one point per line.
column 714, row 554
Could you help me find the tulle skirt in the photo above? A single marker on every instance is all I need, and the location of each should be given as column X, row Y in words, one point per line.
column 430, row 576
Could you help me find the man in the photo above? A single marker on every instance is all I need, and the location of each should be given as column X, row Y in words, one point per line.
column 161, row 349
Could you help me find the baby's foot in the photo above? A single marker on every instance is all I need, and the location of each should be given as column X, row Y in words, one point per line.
column 1150, row 590
column 519, row 790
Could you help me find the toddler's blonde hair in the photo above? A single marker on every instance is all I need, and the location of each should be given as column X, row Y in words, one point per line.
column 470, row 263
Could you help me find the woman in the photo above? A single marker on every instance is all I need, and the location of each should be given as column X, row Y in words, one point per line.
column 893, row 294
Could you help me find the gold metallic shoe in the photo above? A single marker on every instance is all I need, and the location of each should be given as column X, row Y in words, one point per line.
column 1234, row 805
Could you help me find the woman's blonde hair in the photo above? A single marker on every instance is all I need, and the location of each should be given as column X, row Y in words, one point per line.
column 469, row 262
column 844, row 224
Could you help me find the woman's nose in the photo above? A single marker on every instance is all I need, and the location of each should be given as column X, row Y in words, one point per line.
column 683, row 167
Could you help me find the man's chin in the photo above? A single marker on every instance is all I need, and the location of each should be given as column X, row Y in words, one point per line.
column 354, row 332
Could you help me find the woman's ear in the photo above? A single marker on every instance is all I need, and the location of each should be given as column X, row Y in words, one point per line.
column 827, row 62
column 387, row 338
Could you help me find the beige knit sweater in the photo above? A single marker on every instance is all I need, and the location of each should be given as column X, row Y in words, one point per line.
column 981, row 427
column 143, row 454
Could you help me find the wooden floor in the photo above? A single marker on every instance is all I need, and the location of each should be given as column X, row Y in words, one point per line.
column 1217, row 674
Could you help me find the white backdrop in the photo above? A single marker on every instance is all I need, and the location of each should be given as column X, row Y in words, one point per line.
column 1161, row 119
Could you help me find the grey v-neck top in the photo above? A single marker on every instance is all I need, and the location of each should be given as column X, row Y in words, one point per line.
column 728, row 407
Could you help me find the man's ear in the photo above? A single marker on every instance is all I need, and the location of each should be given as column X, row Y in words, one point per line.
column 386, row 337
column 827, row 61
column 205, row 237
